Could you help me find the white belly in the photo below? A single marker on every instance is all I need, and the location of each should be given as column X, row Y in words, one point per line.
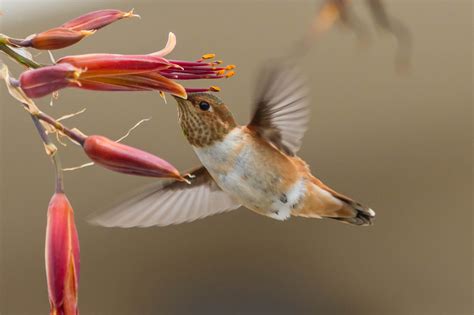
column 237, row 169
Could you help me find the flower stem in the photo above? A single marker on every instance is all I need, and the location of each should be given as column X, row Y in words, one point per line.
column 74, row 135
column 54, row 156
column 18, row 58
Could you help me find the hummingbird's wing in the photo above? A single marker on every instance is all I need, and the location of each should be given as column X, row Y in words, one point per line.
column 281, row 109
column 169, row 202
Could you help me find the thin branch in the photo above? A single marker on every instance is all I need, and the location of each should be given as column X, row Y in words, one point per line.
column 52, row 152
column 19, row 58
column 71, row 133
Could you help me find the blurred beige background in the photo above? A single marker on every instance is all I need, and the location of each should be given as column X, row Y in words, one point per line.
column 401, row 144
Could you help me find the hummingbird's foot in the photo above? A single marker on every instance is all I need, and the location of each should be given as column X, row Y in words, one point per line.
column 190, row 176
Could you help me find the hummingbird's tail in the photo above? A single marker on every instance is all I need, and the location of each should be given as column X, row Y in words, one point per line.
column 324, row 202
column 362, row 215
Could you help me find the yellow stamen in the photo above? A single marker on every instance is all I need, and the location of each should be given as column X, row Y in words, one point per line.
column 230, row 74
column 76, row 74
column 221, row 72
column 163, row 96
column 208, row 56
column 230, row 67
column 215, row 88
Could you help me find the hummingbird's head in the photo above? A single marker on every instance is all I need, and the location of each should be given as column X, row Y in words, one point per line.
column 204, row 118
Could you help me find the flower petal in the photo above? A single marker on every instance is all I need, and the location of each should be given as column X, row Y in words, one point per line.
column 137, row 82
column 97, row 19
column 43, row 81
column 115, row 64
column 170, row 45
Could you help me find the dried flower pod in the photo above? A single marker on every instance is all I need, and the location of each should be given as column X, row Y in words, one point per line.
column 43, row 81
column 62, row 257
column 97, row 19
column 126, row 159
column 55, row 38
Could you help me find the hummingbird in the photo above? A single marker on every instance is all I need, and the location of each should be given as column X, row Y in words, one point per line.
column 253, row 165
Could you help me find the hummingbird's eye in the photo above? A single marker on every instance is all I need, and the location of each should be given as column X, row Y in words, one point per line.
column 203, row 105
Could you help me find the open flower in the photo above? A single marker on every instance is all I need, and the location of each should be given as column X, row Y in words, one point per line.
column 115, row 72
column 139, row 82
column 106, row 65
column 62, row 257
column 72, row 31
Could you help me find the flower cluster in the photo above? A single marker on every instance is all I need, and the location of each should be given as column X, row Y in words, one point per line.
column 99, row 72
column 115, row 72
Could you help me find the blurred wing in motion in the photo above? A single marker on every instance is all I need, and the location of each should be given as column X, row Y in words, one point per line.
column 169, row 202
column 281, row 109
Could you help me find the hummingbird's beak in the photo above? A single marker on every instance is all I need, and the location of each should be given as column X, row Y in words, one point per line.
column 177, row 98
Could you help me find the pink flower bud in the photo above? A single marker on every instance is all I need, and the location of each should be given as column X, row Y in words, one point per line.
column 62, row 257
column 42, row 81
column 55, row 38
column 97, row 19
column 125, row 159
column 73, row 31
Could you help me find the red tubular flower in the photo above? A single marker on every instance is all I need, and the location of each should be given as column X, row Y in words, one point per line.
column 139, row 82
column 114, row 72
column 125, row 159
column 106, row 65
column 55, row 38
column 62, row 257
column 71, row 32
column 97, row 19
column 43, row 81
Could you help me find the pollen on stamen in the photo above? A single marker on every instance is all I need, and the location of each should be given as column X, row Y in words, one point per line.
column 208, row 56
column 76, row 74
column 214, row 88
column 230, row 74
column 163, row 96
column 230, row 67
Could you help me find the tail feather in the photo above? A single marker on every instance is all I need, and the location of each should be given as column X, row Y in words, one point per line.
column 362, row 215
column 325, row 202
